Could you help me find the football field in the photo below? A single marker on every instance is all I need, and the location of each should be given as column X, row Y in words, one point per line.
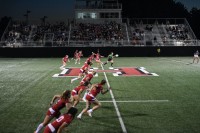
column 149, row 95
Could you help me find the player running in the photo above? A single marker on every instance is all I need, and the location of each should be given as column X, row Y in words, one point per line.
column 64, row 62
column 84, row 70
column 97, row 59
column 76, row 92
column 62, row 122
column 91, row 98
column 90, row 58
column 54, row 110
column 87, row 78
column 110, row 59
column 78, row 57
column 196, row 56
column 74, row 58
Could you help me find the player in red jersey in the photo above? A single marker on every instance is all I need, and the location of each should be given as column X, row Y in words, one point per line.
column 84, row 70
column 54, row 110
column 92, row 55
column 91, row 98
column 90, row 58
column 88, row 77
column 97, row 59
column 63, row 121
column 78, row 57
column 75, row 55
column 76, row 92
column 64, row 62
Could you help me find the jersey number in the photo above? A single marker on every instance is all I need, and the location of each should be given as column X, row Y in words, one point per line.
column 60, row 119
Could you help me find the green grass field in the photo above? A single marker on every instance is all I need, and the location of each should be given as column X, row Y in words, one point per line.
column 168, row 103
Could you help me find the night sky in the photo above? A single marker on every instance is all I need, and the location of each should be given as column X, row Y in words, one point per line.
column 53, row 9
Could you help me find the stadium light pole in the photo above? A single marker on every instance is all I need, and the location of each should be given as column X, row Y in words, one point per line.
column 43, row 19
column 27, row 16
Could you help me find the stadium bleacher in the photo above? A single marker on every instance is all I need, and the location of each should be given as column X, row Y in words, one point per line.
column 134, row 33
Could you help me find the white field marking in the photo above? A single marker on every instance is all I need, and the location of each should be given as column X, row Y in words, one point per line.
column 64, row 71
column 95, row 68
column 115, row 105
column 115, row 74
column 57, row 76
column 109, row 68
column 154, row 74
column 142, row 68
column 138, row 101
column 144, row 71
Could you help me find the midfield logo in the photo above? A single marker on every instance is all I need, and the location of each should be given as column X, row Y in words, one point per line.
column 122, row 71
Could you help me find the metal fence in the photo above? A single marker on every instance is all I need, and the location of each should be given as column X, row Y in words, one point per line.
column 121, row 43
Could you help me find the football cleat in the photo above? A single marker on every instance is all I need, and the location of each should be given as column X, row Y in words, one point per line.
column 89, row 113
column 79, row 116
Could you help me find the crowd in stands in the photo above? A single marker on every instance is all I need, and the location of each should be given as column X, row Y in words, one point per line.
column 178, row 32
column 137, row 37
column 149, row 27
column 17, row 32
column 51, row 32
column 110, row 31
column 58, row 34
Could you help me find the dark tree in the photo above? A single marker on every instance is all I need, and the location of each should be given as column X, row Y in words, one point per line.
column 195, row 21
column 153, row 9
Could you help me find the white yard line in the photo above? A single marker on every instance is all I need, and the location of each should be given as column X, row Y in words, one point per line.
column 115, row 105
column 137, row 101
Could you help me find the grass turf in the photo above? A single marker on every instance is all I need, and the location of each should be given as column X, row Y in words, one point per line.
column 27, row 86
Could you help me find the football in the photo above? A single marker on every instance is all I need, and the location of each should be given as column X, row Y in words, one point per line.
column 116, row 55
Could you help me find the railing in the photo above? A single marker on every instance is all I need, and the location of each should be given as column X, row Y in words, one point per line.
column 106, row 6
column 103, row 43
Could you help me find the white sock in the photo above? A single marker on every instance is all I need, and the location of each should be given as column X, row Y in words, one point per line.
column 80, row 114
column 62, row 67
column 90, row 110
column 39, row 128
column 74, row 79
column 84, row 96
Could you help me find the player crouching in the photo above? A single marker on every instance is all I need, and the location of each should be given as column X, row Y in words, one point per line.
column 63, row 121
column 91, row 98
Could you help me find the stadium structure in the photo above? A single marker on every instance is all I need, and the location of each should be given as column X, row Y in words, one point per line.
column 87, row 10
column 99, row 23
